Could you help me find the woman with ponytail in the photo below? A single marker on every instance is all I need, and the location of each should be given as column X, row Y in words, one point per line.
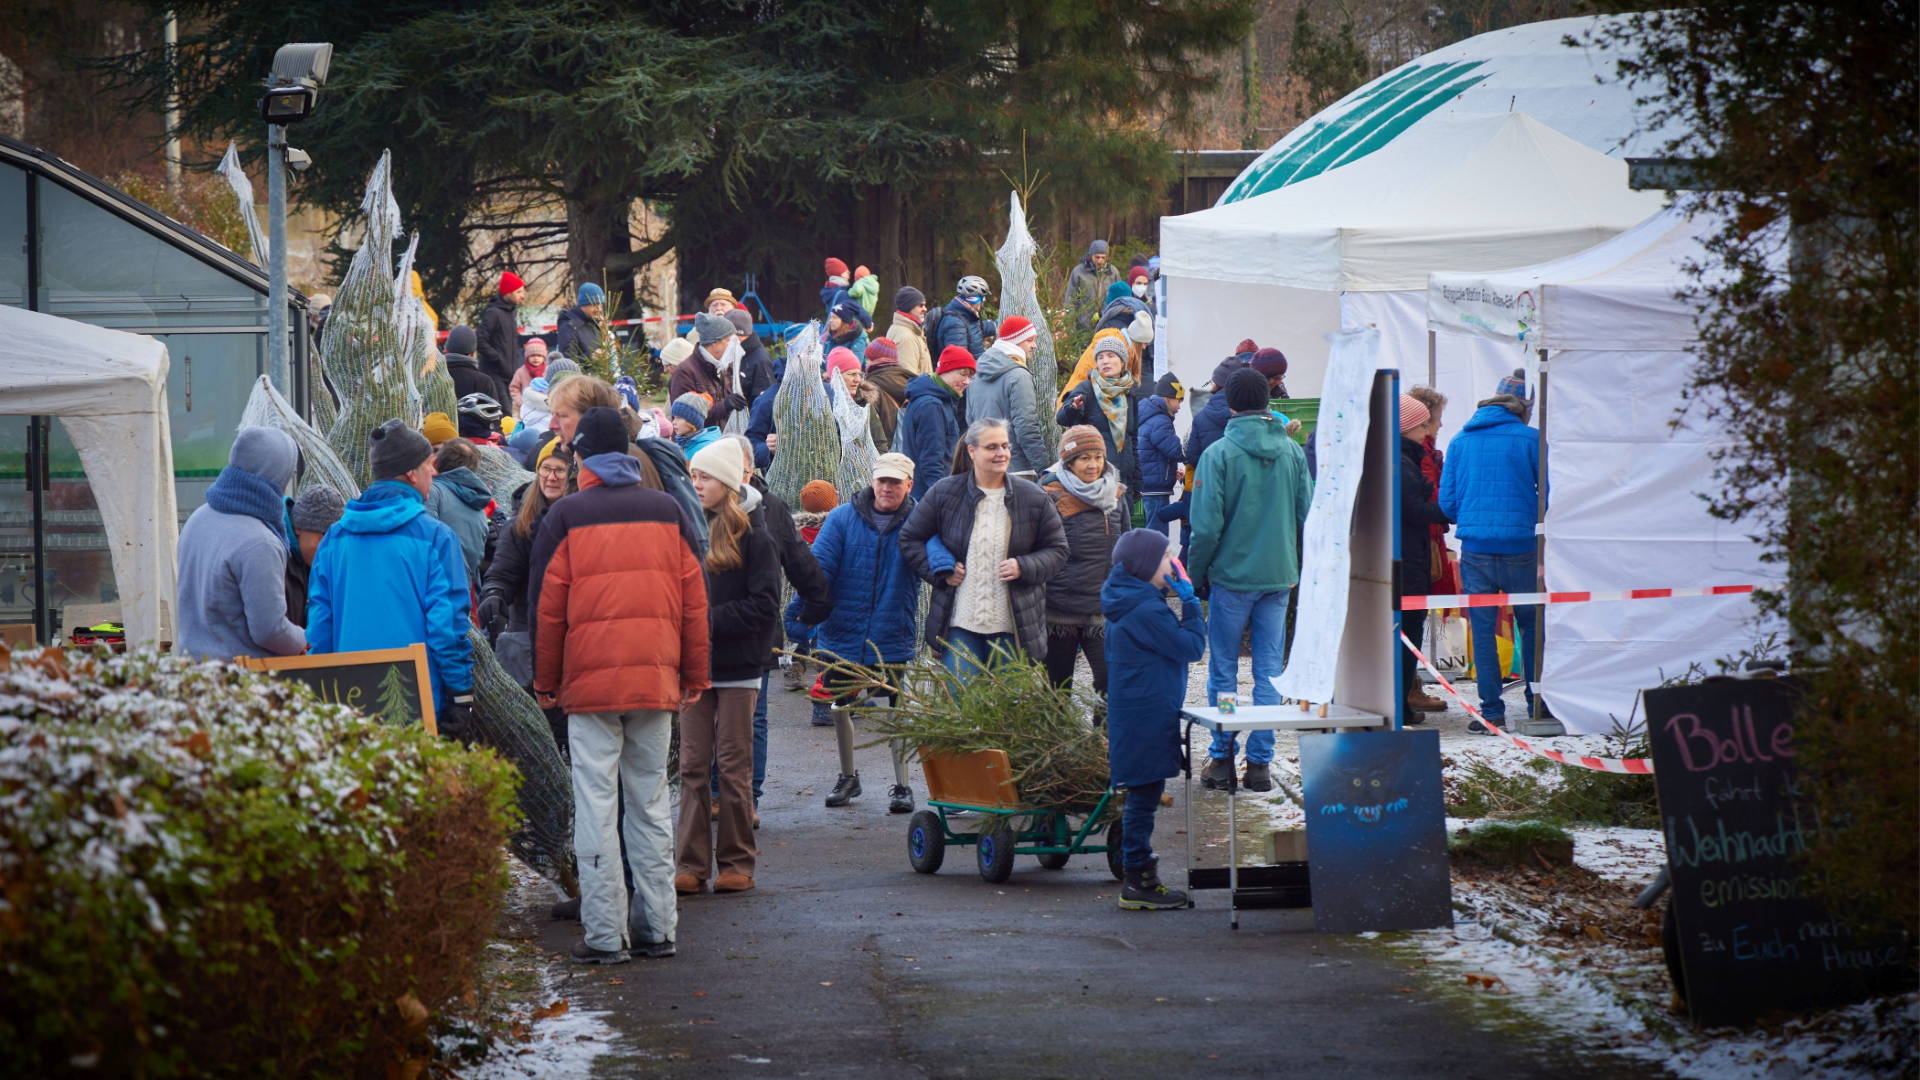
column 716, row 730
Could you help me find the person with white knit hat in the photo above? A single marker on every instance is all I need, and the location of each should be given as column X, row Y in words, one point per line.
column 716, row 730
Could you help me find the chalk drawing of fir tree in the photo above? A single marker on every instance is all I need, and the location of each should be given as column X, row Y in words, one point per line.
column 396, row 704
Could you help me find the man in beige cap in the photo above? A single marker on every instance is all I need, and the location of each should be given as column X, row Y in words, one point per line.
column 875, row 596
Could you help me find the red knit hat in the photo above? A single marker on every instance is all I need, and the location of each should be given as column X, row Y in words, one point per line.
column 510, row 282
column 953, row 358
column 836, row 268
column 881, row 352
column 1138, row 273
column 1014, row 330
column 1247, row 345
column 842, row 359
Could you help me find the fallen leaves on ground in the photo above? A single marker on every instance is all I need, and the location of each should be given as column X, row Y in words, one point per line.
column 558, row 1008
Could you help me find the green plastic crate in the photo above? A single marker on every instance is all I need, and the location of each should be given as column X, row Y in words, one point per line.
column 1305, row 410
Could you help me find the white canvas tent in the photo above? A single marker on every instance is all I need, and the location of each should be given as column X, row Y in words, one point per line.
column 1625, row 510
column 1353, row 246
column 109, row 389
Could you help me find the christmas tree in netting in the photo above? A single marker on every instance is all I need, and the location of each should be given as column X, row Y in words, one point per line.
column 510, row 722
column 319, row 464
column 810, row 444
column 368, row 348
column 1019, row 295
column 430, row 372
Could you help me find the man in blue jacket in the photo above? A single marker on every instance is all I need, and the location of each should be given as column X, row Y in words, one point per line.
column 934, row 417
column 389, row 575
column 875, row 598
column 959, row 322
column 1490, row 489
column 1160, row 452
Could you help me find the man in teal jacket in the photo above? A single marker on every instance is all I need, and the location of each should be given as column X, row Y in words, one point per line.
column 388, row 575
column 1250, row 498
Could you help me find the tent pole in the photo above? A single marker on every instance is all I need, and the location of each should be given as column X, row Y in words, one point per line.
column 1539, row 644
column 1433, row 377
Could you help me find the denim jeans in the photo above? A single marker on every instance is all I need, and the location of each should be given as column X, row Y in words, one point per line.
column 1136, row 824
column 759, row 747
column 1501, row 574
column 968, row 652
column 1228, row 613
column 1154, row 504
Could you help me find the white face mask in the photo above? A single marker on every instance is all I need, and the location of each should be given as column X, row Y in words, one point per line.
column 1140, row 288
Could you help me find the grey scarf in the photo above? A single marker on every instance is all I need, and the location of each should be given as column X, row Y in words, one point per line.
column 1103, row 494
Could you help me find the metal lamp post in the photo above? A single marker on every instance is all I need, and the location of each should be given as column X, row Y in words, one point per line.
column 298, row 73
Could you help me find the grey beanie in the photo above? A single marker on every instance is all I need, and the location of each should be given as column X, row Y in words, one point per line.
column 741, row 321
column 561, row 365
column 267, row 453
column 317, row 509
column 712, row 328
column 396, row 450
column 462, row 341
column 1098, row 247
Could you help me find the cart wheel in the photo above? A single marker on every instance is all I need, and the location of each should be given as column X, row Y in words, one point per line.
column 1113, row 852
column 1052, row 860
column 994, row 851
column 926, row 842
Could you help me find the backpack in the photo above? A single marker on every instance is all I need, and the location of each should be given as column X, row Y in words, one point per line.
column 672, row 466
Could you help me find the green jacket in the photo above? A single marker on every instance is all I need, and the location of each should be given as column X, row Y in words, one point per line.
column 1250, row 498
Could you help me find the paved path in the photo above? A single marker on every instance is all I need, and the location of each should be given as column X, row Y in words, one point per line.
column 845, row 963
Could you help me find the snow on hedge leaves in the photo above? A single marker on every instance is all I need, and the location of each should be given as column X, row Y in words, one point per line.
column 108, row 769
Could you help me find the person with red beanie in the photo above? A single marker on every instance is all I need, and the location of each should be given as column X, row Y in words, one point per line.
column 1004, row 391
column 933, row 419
column 499, row 349
column 834, row 292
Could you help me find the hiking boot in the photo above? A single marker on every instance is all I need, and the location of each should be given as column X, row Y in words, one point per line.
column 1259, row 776
column 566, row 911
column 657, row 950
column 1218, row 775
column 1142, row 891
column 795, row 678
column 587, row 954
column 845, row 790
column 822, row 713
column 1422, row 701
column 899, row 799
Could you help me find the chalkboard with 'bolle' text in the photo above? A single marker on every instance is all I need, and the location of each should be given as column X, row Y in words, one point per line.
column 1737, row 827
column 388, row 685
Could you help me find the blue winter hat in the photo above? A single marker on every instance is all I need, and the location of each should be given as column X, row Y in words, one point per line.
column 692, row 408
column 624, row 384
column 267, row 453
column 1117, row 290
column 1098, row 247
column 1140, row 551
column 851, row 312
column 1515, row 384
column 592, row 294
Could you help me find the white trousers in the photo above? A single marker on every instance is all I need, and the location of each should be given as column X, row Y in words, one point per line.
column 611, row 752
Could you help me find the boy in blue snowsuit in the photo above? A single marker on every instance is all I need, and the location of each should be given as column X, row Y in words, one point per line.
column 1148, row 652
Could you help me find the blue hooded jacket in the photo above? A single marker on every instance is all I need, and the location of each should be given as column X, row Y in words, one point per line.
column 875, row 593
column 1159, row 446
column 929, row 430
column 760, row 425
column 1148, row 652
column 389, row 575
column 956, row 324
column 1208, row 425
column 1490, row 486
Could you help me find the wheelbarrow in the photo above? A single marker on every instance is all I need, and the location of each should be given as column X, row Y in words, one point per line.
column 980, row 783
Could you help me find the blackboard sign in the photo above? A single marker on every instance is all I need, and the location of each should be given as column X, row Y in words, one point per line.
column 1736, row 827
column 1376, row 831
column 389, row 685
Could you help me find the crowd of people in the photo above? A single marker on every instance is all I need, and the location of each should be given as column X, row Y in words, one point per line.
column 638, row 572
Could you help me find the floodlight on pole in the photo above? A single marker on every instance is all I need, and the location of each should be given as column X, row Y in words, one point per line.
column 299, row 71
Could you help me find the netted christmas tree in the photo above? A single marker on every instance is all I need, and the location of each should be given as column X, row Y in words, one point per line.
column 368, row 348
column 236, row 178
column 319, row 464
column 509, row 721
column 810, row 443
column 430, row 370
column 1019, row 295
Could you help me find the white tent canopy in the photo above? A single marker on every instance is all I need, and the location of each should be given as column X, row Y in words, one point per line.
column 1625, row 509
column 109, row 389
column 1353, row 246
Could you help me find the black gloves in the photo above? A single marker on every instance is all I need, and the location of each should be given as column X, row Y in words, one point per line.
column 456, row 720
column 493, row 606
column 736, row 402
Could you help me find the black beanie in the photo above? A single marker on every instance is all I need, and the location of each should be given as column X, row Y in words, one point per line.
column 1247, row 391
column 1140, row 551
column 908, row 298
column 601, row 431
column 461, row 341
column 395, row 450
column 1168, row 387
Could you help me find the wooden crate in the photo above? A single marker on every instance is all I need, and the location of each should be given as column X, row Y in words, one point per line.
column 983, row 778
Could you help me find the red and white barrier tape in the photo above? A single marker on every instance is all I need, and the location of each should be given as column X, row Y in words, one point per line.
column 1638, row 766
column 1473, row 600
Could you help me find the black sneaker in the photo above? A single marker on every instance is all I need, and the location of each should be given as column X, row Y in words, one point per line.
column 900, row 799
column 822, row 714
column 566, row 910
column 1259, row 777
column 658, row 950
column 1143, row 892
column 845, row 790
column 1218, row 775
column 586, row 954
column 1476, row 727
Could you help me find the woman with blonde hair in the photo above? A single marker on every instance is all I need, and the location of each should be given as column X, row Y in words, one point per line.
column 504, row 591
column 743, row 610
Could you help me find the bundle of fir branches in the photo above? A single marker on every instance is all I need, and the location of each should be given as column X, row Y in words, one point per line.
column 1058, row 757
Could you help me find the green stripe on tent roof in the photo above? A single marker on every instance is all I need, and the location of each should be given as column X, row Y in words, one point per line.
column 1379, row 116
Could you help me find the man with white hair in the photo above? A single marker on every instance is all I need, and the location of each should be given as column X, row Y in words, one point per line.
column 713, row 369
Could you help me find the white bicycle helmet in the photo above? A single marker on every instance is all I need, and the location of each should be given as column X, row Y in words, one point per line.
column 972, row 287
column 480, row 405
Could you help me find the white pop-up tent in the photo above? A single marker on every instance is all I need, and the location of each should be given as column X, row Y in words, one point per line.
column 1353, row 246
column 1625, row 482
column 109, row 389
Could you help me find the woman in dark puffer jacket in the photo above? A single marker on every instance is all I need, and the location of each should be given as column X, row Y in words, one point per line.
column 1092, row 502
column 504, row 591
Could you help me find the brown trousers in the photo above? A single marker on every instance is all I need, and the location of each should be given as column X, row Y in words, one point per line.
column 717, row 727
